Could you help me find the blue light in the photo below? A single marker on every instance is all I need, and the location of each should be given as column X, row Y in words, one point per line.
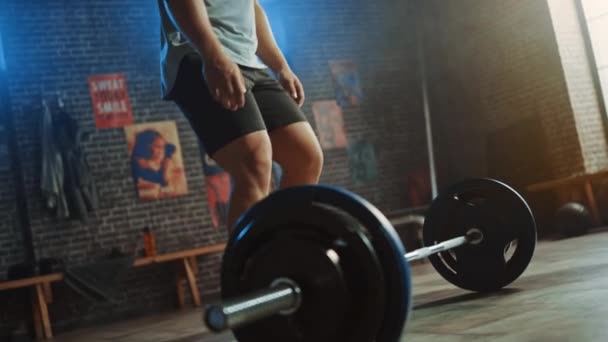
column 277, row 24
column 2, row 60
column 244, row 232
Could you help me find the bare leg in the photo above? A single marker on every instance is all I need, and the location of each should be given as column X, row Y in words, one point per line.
column 296, row 148
column 249, row 161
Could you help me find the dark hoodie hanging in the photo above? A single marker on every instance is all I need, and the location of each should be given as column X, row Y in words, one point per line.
column 78, row 189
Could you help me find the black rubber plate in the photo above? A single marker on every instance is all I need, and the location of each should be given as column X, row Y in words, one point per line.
column 374, row 272
column 507, row 224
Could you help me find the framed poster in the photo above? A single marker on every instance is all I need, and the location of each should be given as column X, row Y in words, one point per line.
column 362, row 162
column 347, row 83
column 110, row 98
column 156, row 160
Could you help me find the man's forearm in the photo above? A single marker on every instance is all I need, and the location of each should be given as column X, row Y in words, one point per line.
column 268, row 50
column 190, row 17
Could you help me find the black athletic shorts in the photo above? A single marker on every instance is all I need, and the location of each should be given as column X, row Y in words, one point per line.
column 267, row 105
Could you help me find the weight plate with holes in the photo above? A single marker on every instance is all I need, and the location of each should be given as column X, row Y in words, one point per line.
column 506, row 222
column 349, row 266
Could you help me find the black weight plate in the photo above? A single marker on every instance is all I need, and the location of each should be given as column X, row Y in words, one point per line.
column 385, row 299
column 390, row 251
column 327, row 305
column 507, row 224
column 298, row 236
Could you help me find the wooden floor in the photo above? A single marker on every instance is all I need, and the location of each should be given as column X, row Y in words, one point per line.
column 563, row 296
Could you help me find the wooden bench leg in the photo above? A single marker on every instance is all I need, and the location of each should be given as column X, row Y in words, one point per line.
column 179, row 280
column 48, row 292
column 192, row 282
column 44, row 313
column 36, row 316
column 591, row 202
column 194, row 264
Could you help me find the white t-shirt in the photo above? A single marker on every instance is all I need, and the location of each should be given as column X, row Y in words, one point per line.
column 233, row 23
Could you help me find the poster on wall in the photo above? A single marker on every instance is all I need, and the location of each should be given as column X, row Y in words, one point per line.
column 330, row 124
column 155, row 154
column 219, row 187
column 362, row 159
column 110, row 99
column 347, row 83
column 418, row 186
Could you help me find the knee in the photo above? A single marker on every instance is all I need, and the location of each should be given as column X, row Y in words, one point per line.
column 255, row 167
column 310, row 162
column 314, row 158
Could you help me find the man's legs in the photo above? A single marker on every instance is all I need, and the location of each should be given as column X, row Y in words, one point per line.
column 294, row 144
column 237, row 140
column 248, row 160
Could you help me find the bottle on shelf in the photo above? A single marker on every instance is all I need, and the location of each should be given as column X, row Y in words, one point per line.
column 149, row 242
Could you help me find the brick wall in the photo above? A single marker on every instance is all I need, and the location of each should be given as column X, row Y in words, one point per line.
column 55, row 45
column 579, row 79
column 390, row 116
column 492, row 66
column 11, row 245
column 11, row 249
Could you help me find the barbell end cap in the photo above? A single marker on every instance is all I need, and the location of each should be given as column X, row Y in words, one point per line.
column 474, row 236
column 215, row 319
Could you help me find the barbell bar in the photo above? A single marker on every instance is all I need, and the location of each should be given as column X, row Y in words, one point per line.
column 307, row 261
column 285, row 296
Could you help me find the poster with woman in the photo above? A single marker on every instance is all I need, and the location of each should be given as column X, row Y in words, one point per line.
column 347, row 83
column 156, row 160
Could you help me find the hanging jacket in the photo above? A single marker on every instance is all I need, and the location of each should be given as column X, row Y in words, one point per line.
column 78, row 186
column 51, row 179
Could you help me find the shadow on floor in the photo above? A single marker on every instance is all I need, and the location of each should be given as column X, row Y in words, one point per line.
column 467, row 297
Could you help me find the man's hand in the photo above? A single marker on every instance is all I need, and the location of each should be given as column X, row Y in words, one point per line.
column 292, row 85
column 225, row 82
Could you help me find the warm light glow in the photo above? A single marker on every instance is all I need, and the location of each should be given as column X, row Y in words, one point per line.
column 596, row 14
column 595, row 8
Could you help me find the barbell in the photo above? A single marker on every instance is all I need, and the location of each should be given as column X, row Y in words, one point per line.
column 320, row 263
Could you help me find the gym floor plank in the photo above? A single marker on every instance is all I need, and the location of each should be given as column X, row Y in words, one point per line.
column 561, row 297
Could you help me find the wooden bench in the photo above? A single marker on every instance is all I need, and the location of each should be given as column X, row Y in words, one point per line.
column 41, row 297
column 580, row 180
column 185, row 268
column 185, row 271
